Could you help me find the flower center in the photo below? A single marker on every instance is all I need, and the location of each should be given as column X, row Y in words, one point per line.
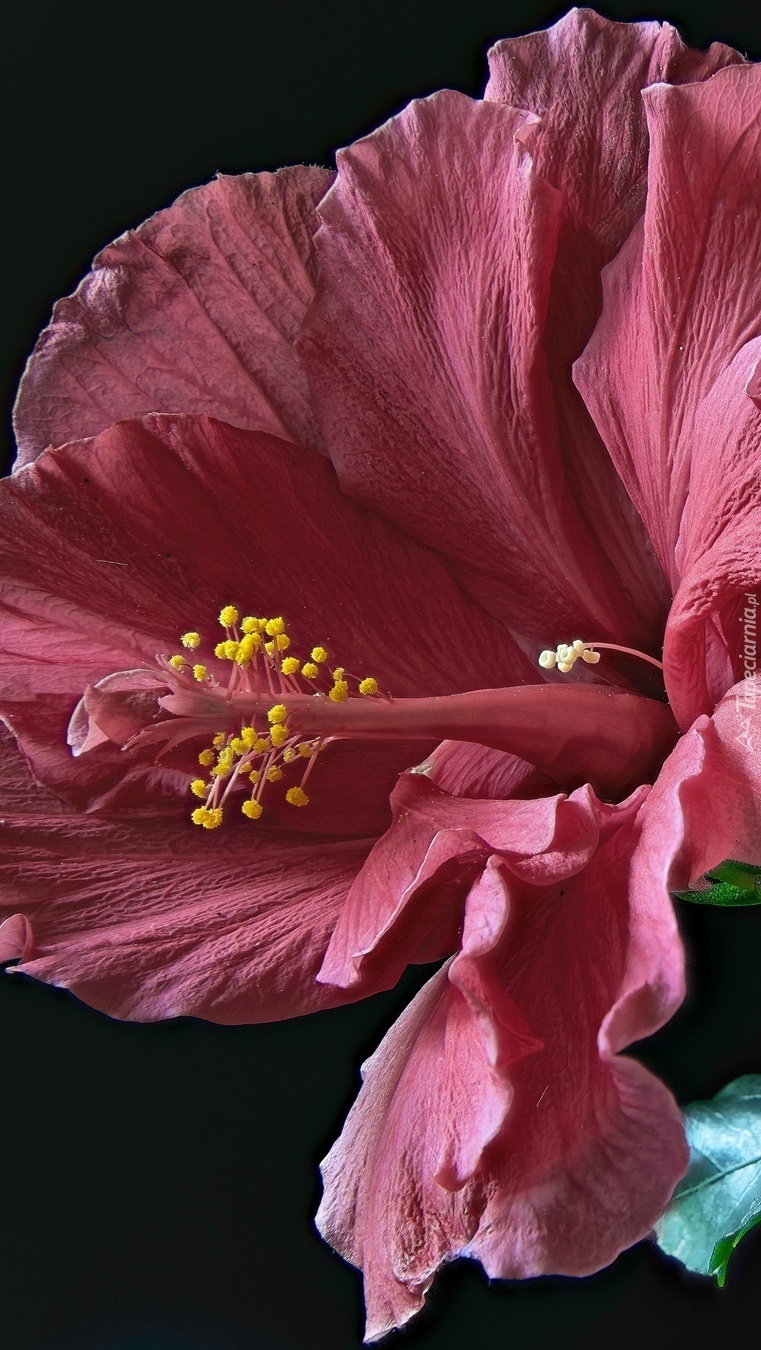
column 266, row 715
column 266, row 739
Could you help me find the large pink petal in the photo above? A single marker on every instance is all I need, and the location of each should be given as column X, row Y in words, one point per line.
column 148, row 918
column 668, row 374
column 194, row 312
column 586, row 1166
column 111, row 548
column 495, row 1120
column 425, row 357
column 584, row 77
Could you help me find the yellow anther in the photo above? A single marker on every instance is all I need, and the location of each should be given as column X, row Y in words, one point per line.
column 252, row 809
column 228, row 616
column 340, row 691
column 274, row 774
column 310, row 671
column 338, row 673
column 368, row 686
column 277, row 713
column 290, row 665
column 224, row 762
column 319, row 655
column 219, row 650
column 200, row 673
column 231, row 649
column 296, row 796
column 254, row 776
column 219, row 739
column 261, row 744
column 279, row 734
column 269, row 647
column 305, row 748
column 274, row 627
column 206, row 758
column 289, row 754
column 248, row 737
column 191, row 639
column 178, row 662
column 249, row 624
column 208, row 816
column 238, row 745
column 246, row 648
column 282, row 642
column 198, row 787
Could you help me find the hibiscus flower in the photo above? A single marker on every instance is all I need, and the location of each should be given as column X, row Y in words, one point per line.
column 312, row 469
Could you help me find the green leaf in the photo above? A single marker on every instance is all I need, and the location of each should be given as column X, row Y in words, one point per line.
column 724, row 1249
column 730, row 884
column 719, row 1200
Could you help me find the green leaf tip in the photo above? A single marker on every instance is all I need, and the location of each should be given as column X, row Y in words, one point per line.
column 719, row 1199
column 731, row 884
column 724, row 1249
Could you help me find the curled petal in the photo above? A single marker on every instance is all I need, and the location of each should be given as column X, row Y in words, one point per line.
column 406, row 903
column 495, row 1120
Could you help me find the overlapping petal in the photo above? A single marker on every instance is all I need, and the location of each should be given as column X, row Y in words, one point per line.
column 667, row 372
column 145, row 917
column 406, row 904
column 194, row 312
column 584, row 77
column 495, row 1120
column 424, row 349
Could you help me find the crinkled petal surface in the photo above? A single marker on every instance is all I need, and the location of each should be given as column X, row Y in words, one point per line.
column 584, row 77
column 495, row 1119
column 668, row 374
column 95, row 582
column 148, row 918
column 427, row 367
column 194, row 312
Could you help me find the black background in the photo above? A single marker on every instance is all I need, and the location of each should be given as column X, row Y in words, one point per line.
column 158, row 1182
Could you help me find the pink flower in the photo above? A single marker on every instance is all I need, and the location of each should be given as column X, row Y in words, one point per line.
column 509, row 393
